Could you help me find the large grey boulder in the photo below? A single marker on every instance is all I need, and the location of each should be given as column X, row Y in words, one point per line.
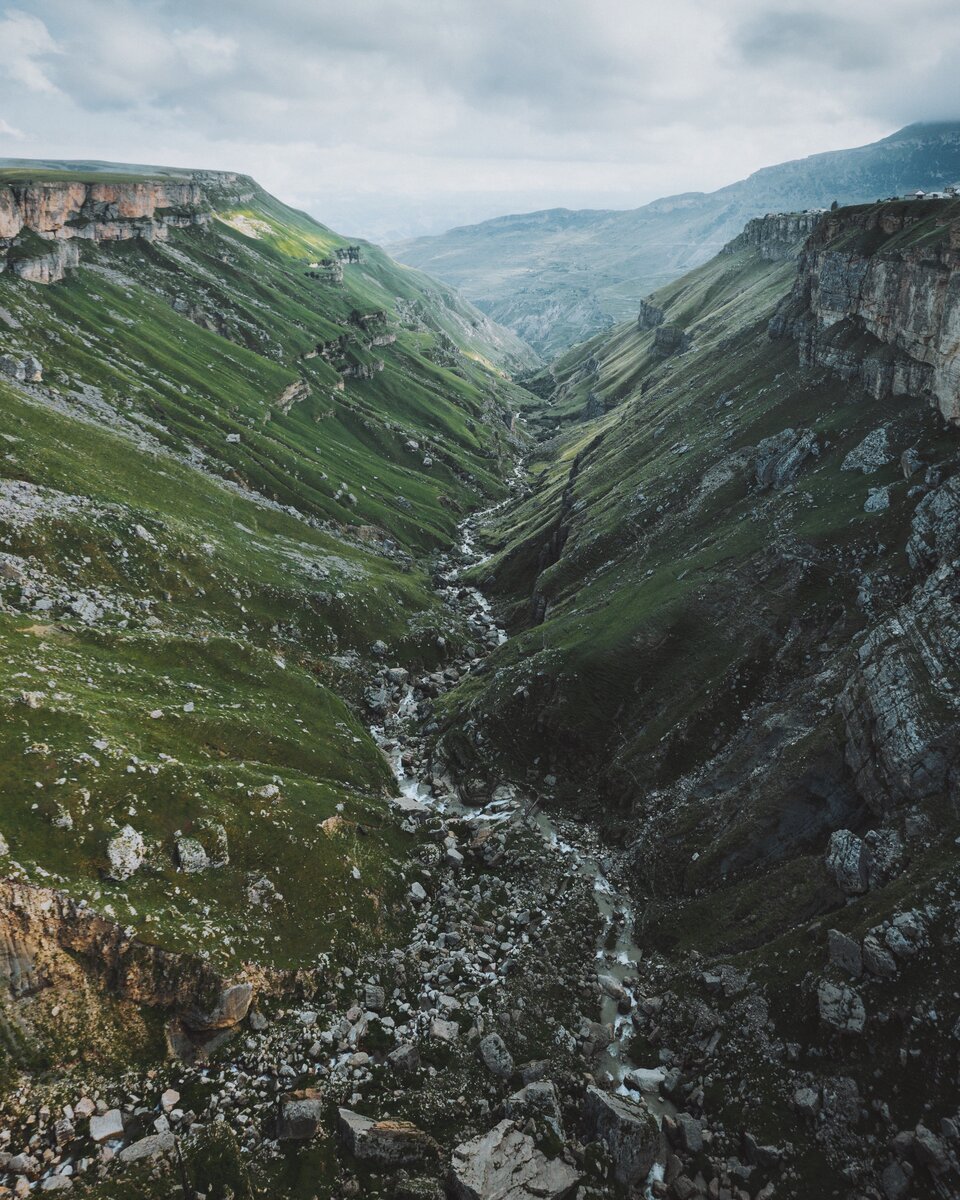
column 151, row 1147
column 840, row 1007
column 780, row 458
column 628, row 1130
column 301, row 1116
column 505, row 1164
column 126, row 852
column 496, row 1057
column 537, row 1100
column 385, row 1143
column 105, row 1126
column 871, row 454
column 847, row 861
column 877, row 959
column 845, row 953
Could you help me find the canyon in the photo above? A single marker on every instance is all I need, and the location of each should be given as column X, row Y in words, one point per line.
column 431, row 772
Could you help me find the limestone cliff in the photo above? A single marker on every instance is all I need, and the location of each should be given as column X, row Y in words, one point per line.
column 777, row 236
column 67, row 213
column 877, row 300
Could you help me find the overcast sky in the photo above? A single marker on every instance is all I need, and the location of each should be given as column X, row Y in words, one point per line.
column 387, row 117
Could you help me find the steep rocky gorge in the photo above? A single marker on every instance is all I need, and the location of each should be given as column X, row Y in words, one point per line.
column 667, row 902
column 732, row 595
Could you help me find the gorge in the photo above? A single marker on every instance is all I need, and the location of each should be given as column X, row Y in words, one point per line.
column 430, row 772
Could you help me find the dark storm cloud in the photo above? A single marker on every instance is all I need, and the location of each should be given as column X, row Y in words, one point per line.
column 468, row 107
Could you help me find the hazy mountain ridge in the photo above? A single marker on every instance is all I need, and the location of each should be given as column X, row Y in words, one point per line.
column 534, row 271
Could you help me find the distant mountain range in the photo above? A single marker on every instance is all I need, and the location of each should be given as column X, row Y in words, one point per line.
column 558, row 276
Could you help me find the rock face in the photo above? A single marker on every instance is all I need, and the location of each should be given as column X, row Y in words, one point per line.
column 877, row 300
column 505, row 1164
column 65, row 214
column 777, row 236
column 385, row 1143
column 628, row 1130
column 900, row 706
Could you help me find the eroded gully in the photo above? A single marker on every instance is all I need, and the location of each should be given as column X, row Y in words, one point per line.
column 617, row 955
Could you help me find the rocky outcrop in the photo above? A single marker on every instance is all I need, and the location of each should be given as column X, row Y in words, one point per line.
column 901, row 706
column 775, row 237
column 670, row 339
column 650, row 315
column 877, row 300
column 49, row 940
column 66, row 214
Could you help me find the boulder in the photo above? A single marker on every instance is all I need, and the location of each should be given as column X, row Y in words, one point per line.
column 149, row 1147
column 872, row 453
column 405, row 1058
column 105, row 1126
column 505, row 1164
column 496, row 1057
column 847, row 861
column 840, row 1007
column 894, row 1181
column 690, row 1132
column 845, row 953
column 930, row 1150
column 779, row 458
column 301, row 1116
column 806, row 1101
column 444, row 1031
column 191, row 856
column 877, row 959
column 126, row 852
column 385, row 1143
column 539, row 1101
column 878, row 500
column 232, row 1006
column 628, row 1130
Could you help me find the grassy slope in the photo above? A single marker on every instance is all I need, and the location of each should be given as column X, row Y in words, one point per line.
column 257, row 592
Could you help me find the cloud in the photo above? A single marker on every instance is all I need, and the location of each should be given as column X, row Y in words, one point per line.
column 26, row 42
column 7, row 130
column 423, row 107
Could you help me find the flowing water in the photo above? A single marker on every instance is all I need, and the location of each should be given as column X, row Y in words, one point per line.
column 618, row 958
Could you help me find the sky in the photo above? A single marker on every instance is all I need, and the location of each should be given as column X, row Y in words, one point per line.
column 389, row 118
